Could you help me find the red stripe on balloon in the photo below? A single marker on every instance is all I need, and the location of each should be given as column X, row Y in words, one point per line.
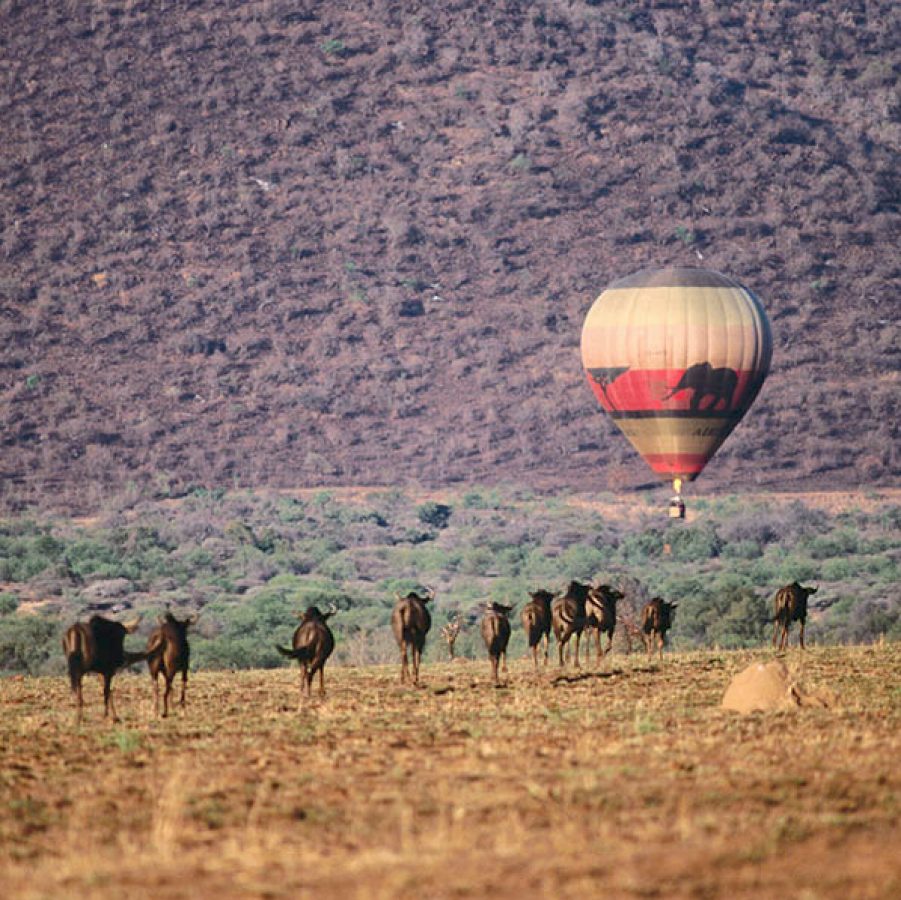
column 652, row 389
column 686, row 464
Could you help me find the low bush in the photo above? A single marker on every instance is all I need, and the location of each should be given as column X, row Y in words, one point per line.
column 28, row 643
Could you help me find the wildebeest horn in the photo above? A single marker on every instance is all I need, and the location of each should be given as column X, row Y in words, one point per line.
column 192, row 619
column 397, row 595
column 431, row 592
column 132, row 624
column 160, row 620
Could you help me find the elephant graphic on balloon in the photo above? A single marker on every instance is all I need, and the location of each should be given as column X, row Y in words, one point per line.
column 705, row 381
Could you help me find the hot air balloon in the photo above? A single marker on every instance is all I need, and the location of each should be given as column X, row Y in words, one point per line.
column 676, row 356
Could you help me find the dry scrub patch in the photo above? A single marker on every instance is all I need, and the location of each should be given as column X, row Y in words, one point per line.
column 626, row 779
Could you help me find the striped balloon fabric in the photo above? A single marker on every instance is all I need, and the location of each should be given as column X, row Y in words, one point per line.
column 676, row 356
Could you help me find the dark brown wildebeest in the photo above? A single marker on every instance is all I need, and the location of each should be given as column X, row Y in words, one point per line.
column 168, row 654
column 600, row 617
column 97, row 646
column 312, row 646
column 536, row 622
column 790, row 605
column 495, row 629
column 410, row 622
column 568, row 617
column 656, row 620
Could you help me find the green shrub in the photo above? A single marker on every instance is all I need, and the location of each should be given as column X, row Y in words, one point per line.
column 28, row 642
column 694, row 543
column 437, row 515
column 581, row 561
column 794, row 568
column 836, row 543
column 742, row 550
column 642, row 546
column 482, row 499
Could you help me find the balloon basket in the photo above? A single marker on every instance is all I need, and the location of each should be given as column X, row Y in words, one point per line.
column 676, row 508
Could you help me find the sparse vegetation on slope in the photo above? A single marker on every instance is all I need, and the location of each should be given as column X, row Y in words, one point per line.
column 252, row 244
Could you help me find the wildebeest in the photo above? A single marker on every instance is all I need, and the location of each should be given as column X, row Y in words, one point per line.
column 450, row 632
column 168, row 654
column 568, row 617
column 312, row 646
column 705, row 381
column 495, row 629
column 97, row 646
column 600, row 617
column 656, row 620
column 410, row 622
column 790, row 605
column 536, row 622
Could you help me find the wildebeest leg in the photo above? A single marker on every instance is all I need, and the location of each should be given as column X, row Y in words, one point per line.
column 801, row 636
column 79, row 699
column 308, row 678
column 576, row 651
column 783, row 640
column 504, row 660
column 660, row 646
column 560, row 652
column 609, row 641
column 494, row 668
column 322, row 681
column 547, row 647
column 168, row 679
column 184, row 685
column 417, row 659
column 535, row 654
column 404, row 663
column 775, row 633
column 156, row 693
column 109, row 705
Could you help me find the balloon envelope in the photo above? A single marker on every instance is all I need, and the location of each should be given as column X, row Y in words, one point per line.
column 676, row 356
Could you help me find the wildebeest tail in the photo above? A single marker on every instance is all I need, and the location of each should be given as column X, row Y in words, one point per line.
column 301, row 653
column 74, row 656
column 530, row 621
column 155, row 646
column 130, row 657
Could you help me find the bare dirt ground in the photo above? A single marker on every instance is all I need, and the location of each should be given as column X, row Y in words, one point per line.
column 625, row 781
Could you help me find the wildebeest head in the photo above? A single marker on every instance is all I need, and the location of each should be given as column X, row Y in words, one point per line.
column 605, row 593
column 314, row 614
column 501, row 609
column 182, row 625
column 666, row 612
column 575, row 590
column 412, row 595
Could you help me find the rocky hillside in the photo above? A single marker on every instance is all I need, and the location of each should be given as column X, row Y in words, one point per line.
column 297, row 243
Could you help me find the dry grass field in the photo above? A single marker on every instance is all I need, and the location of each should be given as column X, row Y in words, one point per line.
column 624, row 781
